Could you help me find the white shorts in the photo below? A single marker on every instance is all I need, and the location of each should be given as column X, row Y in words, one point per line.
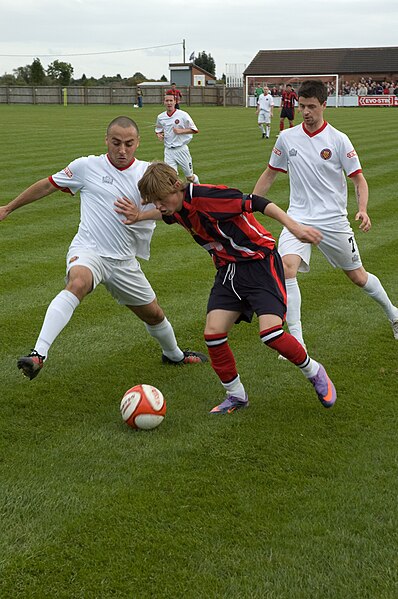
column 339, row 248
column 180, row 156
column 264, row 116
column 124, row 279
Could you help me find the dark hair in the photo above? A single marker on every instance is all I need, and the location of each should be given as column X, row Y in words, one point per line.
column 123, row 121
column 313, row 88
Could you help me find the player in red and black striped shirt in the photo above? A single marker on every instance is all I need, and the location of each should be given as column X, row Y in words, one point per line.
column 289, row 97
column 249, row 275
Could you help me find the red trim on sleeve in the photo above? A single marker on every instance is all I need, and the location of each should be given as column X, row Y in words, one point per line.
column 355, row 173
column 64, row 189
column 273, row 168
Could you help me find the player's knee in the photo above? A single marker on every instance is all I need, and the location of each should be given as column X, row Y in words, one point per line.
column 79, row 286
column 155, row 315
column 358, row 276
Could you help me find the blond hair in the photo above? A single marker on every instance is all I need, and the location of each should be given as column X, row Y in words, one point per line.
column 158, row 182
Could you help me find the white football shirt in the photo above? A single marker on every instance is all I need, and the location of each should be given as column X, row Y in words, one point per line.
column 179, row 119
column 316, row 163
column 265, row 102
column 100, row 185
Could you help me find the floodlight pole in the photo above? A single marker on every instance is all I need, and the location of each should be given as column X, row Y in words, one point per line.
column 183, row 51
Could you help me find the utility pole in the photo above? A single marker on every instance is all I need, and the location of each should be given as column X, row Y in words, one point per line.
column 183, row 51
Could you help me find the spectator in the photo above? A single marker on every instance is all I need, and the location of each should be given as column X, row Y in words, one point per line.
column 353, row 89
column 139, row 97
column 378, row 89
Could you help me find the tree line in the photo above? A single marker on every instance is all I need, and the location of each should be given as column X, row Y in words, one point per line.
column 61, row 73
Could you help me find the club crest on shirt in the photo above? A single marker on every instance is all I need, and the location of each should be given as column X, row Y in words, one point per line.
column 326, row 153
column 292, row 152
column 107, row 179
column 68, row 172
column 177, row 121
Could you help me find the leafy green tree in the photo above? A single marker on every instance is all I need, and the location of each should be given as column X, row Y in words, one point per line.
column 61, row 72
column 163, row 78
column 37, row 72
column 206, row 61
column 138, row 78
column 7, row 79
column 22, row 75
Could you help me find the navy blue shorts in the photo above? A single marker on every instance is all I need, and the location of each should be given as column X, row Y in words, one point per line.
column 255, row 286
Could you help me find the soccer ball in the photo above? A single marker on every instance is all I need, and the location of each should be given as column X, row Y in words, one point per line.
column 143, row 406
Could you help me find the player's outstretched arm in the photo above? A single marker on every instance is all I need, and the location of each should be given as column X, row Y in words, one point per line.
column 133, row 214
column 38, row 190
column 265, row 181
column 302, row 232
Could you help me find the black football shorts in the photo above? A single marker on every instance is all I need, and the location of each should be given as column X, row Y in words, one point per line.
column 254, row 286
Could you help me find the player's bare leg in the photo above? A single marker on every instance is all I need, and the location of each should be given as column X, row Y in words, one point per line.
column 59, row 313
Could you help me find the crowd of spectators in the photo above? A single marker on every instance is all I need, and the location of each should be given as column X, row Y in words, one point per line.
column 365, row 87
column 369, row 87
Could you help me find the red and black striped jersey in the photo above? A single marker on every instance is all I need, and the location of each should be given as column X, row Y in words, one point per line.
column 288, row 99
column 221, row 220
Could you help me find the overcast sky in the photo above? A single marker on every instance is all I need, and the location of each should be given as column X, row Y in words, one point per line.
column 232, row 31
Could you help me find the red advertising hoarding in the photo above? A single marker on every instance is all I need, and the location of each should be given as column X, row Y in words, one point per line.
column 386, row 100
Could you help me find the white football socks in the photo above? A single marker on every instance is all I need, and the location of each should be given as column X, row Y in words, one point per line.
column 58, row 314
column 164, row 335
column 293, row 313
column 311, row 369
column 376, row 291
column 235, row 388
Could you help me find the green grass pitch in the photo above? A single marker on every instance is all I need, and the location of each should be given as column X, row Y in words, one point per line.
column 285, row 500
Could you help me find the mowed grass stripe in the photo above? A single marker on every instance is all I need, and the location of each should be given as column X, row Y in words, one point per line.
column 286, row 499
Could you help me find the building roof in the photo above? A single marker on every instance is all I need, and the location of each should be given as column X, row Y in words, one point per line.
column 324, row 61
column 191, row 65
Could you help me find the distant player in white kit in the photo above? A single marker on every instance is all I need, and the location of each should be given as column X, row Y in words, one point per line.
column 316, row 156
column 176, row 128
column 105, row 247
column 265, row 112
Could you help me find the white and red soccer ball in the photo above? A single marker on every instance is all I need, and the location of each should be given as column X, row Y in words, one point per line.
column 143, row 407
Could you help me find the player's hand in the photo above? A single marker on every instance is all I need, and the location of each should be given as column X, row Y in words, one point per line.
column 177, row 131
column 129, row 209
column 365, row 221
column 4, row 212
column 308, row 235
column 160, row 135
